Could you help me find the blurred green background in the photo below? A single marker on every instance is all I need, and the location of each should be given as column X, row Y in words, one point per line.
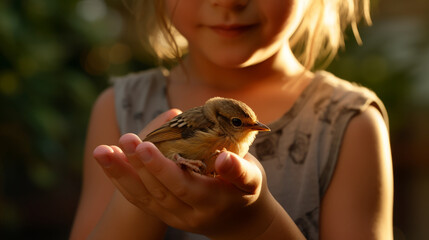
column 57, row 56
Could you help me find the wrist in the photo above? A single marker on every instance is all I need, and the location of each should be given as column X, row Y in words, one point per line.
column 281, row 227
column 250, row 221
column 264, row 220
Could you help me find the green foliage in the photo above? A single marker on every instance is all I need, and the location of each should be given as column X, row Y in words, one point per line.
column 393, row 62
column 55, row 58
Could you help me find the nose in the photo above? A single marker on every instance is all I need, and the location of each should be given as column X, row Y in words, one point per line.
column 232, row 4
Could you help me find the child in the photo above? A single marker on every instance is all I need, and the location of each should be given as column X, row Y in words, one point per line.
column 324, row 170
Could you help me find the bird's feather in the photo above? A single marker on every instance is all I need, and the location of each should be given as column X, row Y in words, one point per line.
column 199, row 134
column 164, row 133
column 181, row 127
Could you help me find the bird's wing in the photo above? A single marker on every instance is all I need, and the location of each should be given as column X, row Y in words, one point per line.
column 164, row 133
column 180, row 127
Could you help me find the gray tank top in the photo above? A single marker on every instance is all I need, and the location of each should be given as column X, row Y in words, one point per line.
column 299, row 154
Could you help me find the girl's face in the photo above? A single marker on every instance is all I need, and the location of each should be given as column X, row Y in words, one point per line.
column 235, row 33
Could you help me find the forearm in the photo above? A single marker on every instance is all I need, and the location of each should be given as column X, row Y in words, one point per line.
column 122, row 220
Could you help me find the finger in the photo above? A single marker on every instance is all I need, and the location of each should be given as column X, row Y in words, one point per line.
column 121, row 173
column 110, row 160
column 159, row 121
column 161, row 194
column 119, row 154
column 177, row 181
column 158, row 191
column 128, row 182
column 128, row 143
column 243, row 174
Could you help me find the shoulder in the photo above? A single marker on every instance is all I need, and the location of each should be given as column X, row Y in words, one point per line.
column 366, row 136
column 105, row 104
column 366, row 142
column 342, row 97
column 136, row 88
column 139, row 97
column 133, row 80
column 362, row 184
column 103, row 116
column 369, row 123
column 344, row 109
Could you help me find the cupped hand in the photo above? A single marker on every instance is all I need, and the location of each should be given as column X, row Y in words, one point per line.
column 235, row 204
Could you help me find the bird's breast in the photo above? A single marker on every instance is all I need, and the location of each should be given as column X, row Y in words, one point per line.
column 200, row 145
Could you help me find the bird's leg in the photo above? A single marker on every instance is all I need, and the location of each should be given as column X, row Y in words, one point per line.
column 194, row 165
column 217, row 152
column 214, row 156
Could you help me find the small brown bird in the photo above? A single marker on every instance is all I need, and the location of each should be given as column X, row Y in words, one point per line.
column 194, row 138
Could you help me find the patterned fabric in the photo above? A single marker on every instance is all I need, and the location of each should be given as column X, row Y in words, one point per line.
column 299, row 154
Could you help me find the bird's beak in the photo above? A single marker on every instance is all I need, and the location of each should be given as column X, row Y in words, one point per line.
column 260, row 127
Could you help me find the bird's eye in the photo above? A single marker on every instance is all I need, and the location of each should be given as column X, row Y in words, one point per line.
column 236, row 122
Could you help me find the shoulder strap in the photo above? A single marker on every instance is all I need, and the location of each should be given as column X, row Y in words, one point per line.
column 340, row 101
column 139, row 97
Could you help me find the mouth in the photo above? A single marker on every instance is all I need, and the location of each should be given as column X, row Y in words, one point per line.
column 232, row 30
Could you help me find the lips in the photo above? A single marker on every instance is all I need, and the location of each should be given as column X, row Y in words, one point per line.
column 232, row 30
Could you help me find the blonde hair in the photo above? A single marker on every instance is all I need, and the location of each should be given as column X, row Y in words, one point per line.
column 318, row 37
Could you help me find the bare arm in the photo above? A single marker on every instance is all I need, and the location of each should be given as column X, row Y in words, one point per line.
column 359, row 201
column 96, row 188
column 98, row 203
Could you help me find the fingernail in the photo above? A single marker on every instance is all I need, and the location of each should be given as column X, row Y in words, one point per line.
column 101, row 154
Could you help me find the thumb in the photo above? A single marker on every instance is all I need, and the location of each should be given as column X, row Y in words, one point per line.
column 241, row 173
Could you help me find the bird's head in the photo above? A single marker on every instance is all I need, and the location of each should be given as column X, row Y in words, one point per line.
column 235, row 118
